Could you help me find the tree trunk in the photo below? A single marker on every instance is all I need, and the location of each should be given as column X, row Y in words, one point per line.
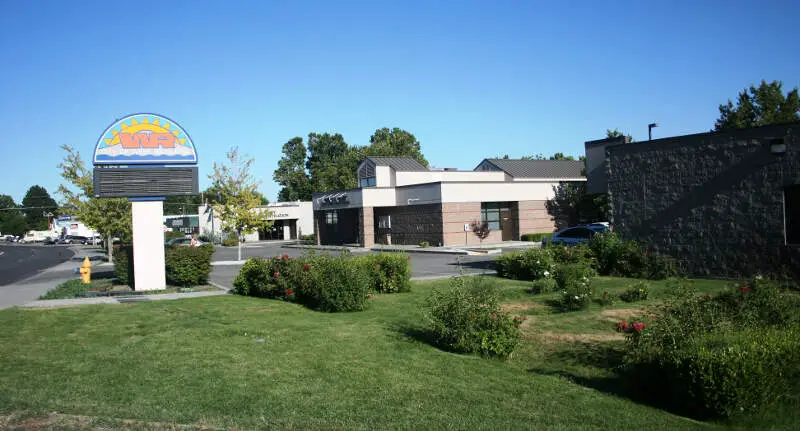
column 110, row 249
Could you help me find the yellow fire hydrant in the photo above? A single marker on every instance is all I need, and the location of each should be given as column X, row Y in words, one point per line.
column 86, row 271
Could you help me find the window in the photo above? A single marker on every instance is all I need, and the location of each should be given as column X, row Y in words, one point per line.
column 384, row 222
column 791, row 208
column 490, row 212
column 367, row 182
column 331, row 217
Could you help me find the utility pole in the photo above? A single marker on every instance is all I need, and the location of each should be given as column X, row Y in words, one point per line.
column 650, row 130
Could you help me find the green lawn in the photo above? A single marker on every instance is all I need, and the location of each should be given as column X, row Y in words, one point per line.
column 253, row 363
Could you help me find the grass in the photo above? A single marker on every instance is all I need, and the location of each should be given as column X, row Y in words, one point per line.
column 71, row 288
column 238, row 362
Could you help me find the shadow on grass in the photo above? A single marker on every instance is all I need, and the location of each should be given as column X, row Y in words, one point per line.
column 642, row 387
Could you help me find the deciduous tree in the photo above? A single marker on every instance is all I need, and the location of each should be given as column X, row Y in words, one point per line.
column 291, row 173
column 240, row 199
column 108, row 216
column 38, row 203
column 760, row 106
column 395, row 143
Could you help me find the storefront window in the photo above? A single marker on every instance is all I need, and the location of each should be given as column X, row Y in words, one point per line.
column 384, row 222
column 490, row 212
column 331, row 217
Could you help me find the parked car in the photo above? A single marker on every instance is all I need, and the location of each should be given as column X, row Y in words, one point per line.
column 574, row 235
column 49, row 240
column 184, row 242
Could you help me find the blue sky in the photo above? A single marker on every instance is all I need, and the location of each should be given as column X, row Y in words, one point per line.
column 470, row 79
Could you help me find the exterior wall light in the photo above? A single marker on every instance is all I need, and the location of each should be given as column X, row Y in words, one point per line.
column 777, row 146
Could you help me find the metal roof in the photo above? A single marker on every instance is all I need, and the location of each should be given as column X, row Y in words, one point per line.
column 401, row 164
column 539, row 168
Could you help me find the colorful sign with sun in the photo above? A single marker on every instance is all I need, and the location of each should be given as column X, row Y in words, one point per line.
column 144, row 139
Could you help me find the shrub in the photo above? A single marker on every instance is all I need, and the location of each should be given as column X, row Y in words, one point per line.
column 636, row 292
column 123, row 265
column 170, row 234
column 335, row 284
column 309, row 238
column 281, row 277
column 720, row 355
column 568, row 255
column 606, row 300
column 71, row 288
column 575, row 282
column 535, row 237
column 230, row 242
column 388, row 272
column 544, row 285
column 659, row 267
column 424, row 244
column 188, row 266
column 531, row 264
column 618, row 257
column 466, row 318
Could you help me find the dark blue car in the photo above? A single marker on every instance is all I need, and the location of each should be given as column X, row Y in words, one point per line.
column 575, row 235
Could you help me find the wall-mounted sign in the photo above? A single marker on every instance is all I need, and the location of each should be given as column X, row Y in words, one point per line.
column 144, row 139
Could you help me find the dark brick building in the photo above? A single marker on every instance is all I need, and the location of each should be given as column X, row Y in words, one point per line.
column 723, row 203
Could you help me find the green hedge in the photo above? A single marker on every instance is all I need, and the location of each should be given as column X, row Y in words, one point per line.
column 188, row 266
column 323, row 282
column 535, row 237
column 184, row 266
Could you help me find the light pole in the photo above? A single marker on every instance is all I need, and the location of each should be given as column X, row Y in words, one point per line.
column 650, row 130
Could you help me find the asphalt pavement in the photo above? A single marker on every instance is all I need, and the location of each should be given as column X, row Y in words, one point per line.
column 19, row 261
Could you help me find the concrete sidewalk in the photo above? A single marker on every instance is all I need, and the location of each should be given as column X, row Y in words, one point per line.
column 31, row 288
column 53, row 303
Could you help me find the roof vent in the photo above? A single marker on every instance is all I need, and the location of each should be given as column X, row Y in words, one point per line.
column 450, row 169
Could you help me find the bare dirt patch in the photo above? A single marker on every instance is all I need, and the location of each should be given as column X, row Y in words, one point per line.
column 517, row 307
column 565, row 337
column 618, row 314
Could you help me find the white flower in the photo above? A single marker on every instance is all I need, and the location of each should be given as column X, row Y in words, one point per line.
column 537, row 262
column 759, row 277
column 577, row 297
column 546, row 273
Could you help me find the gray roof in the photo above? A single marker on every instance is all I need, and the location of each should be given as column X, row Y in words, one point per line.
column 401, row 164
column 539, row 168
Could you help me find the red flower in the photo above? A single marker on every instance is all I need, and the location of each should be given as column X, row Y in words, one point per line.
column 745, row 289
column 493, row 316
column 288, row 291
column 285, row 256
column 638, row 326
column 306, row 267
column 622, row 326
column 377, row 266
column 369, row 295
column 276, row 275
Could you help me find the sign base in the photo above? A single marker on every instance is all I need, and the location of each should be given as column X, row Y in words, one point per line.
column 148, row 245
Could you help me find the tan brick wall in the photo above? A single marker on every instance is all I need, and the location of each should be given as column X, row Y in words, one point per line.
column 533, row 217
column 366, row 226
column 455, row 216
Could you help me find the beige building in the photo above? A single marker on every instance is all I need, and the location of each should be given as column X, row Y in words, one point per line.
column 400, row 201
column 290, row 220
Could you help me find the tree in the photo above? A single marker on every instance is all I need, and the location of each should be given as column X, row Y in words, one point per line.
column 240, row 197
column 760, row 106
column 108, row 216
column 291, row 173
column 331, row 162
column 617, row 134
column 180, row 205
column 480, row 229
column 11, row 220
column 37, row 203
column 395, row 143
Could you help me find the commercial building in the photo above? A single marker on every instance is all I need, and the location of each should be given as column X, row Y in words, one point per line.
column 723, row 203
column 291, row 220
column 400, row 201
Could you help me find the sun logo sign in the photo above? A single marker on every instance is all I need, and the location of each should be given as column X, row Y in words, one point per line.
column 144, row 139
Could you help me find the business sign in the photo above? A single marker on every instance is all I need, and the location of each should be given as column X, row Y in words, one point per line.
column 144, row 139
